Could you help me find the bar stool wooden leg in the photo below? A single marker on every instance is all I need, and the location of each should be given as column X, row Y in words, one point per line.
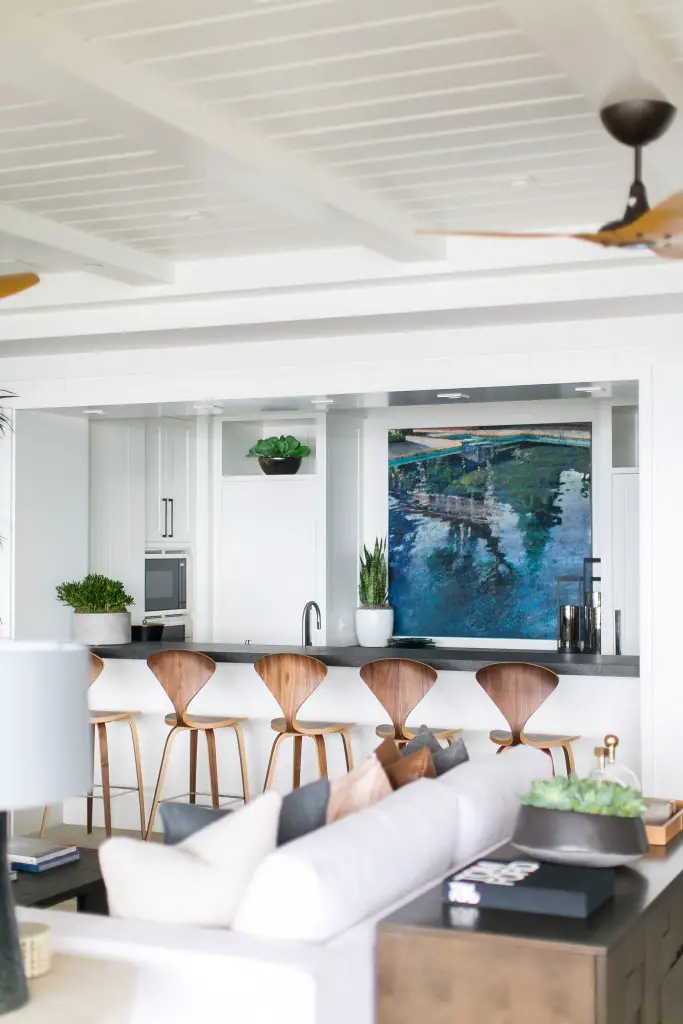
column 104, row 763
column 43, row 824
column 270, row 773
column 569, row 758
column 322, row 755
column 194, row 739
column 213, row 765
column 138, row 774
column 296, row 770
column 348, row 754
column 89, row 799
column 160, row 778
column 243, row 762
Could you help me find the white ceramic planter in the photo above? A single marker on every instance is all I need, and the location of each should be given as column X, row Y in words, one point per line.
column 101, row 629
column 374, row 626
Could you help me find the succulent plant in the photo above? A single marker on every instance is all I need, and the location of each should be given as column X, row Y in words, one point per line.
column 585, row 796
column 373, row 590
column 279, row 448
column 95, row 594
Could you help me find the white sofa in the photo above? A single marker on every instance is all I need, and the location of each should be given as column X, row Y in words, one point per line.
column 302, row 949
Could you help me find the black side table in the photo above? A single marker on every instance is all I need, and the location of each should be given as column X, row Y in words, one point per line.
column 80, row 880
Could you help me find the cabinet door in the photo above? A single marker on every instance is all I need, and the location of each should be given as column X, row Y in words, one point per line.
column 625, row 544
column 265, row 559
column 176, row 474
column 155, row 509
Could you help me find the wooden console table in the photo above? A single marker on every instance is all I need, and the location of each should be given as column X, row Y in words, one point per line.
column 624, row 965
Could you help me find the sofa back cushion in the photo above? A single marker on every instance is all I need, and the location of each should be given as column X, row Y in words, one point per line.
column 319, row 886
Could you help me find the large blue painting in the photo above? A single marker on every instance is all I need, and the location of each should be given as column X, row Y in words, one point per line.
column 482, row 520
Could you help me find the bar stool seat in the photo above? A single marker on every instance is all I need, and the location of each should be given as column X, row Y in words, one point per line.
column 106, row 717
column 387, row 732
column 504, row 738
column 309, row 728
column 202, row 722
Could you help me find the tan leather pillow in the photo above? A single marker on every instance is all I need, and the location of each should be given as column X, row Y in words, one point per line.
column 388, row 753
column 408, row 769
column 365, row 785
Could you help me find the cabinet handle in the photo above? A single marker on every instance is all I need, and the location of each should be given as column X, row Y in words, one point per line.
column 170, row 501
column 164, row 532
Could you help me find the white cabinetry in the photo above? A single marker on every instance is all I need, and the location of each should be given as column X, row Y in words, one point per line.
column 169, row 492
column 117, row 504
column 625, row 544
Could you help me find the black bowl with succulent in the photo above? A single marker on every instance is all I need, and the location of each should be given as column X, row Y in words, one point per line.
column 279, row 456
column 582, row 821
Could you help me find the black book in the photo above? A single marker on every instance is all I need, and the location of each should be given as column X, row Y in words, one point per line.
column 530, row 886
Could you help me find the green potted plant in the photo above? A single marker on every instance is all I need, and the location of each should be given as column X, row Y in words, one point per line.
column 374, row 616
column 278, row 456
column 582, row 821
column 100, row 605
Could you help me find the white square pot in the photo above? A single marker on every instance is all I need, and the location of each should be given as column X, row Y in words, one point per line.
column 100, row 629
column 374, row 626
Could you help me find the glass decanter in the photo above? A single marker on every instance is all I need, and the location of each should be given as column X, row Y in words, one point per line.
column 609, row 770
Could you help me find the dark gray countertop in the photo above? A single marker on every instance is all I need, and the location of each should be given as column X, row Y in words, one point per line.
column 447, row 659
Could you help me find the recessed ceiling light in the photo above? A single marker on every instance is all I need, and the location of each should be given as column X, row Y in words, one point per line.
column 590, row 389
column 452, row 394
column 93, row 412
column 322, row 401
column 92, row 266
column 188, row 215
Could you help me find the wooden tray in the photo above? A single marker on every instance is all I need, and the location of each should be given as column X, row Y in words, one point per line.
column 661, row 835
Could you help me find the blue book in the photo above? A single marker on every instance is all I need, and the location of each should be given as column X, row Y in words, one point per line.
column 46, row 865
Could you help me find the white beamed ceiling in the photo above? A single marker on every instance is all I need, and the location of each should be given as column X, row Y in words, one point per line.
column 434, row 112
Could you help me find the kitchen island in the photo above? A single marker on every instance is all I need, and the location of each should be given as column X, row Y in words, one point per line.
column 597, row 694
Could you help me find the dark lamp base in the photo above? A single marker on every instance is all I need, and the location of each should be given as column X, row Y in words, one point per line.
column 13, row 989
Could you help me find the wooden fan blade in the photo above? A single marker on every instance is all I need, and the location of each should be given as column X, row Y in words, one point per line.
column 496, row 234
column 659, row 228
column 11, row 284
column 669, row 252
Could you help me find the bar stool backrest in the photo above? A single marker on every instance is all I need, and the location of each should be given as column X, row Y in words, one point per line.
column 182, row 674
column 96, row 667
column 518, row 690
column 291, row 678
column 399, row 684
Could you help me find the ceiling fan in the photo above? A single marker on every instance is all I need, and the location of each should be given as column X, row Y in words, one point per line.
column 11, row 284
column 635, row 123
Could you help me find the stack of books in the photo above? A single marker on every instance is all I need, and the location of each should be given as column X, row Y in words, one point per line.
column 38, row 855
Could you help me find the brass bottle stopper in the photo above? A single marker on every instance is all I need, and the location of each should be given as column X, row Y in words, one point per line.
column 601, row 754
column 611, row 742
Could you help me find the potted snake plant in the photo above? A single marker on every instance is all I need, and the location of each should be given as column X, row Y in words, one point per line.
column 374, row 617
column 100, row 605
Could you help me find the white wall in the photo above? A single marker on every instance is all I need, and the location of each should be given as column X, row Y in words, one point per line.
column 50, row 528
column 6, row 506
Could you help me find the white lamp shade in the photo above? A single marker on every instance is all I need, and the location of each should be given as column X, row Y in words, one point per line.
column 45, row 751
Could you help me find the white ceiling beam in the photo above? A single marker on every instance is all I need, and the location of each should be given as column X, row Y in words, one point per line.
column 111, row 259
column 602, row 45
column 262, row 169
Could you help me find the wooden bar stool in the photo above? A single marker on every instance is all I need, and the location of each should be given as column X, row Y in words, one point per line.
column 399, row 685
column 518, row 690
column 100, row 720
column 292, row 678
column 183, row 674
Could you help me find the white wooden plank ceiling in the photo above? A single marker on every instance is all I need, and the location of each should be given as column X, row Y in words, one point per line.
column 425, row 112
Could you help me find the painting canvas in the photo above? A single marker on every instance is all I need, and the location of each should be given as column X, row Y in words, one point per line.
column 482, row 521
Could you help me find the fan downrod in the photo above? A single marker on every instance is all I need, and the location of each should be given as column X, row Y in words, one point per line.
column 636, row 123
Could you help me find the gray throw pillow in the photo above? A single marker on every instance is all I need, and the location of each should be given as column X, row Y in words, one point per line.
column 303, row 810
column 450, row 756
column 443, row 758
column 182, row 820
column 423, row 738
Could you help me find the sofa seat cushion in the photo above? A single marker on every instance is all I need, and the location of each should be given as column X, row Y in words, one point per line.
column 318, row 886
column 199, row 881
